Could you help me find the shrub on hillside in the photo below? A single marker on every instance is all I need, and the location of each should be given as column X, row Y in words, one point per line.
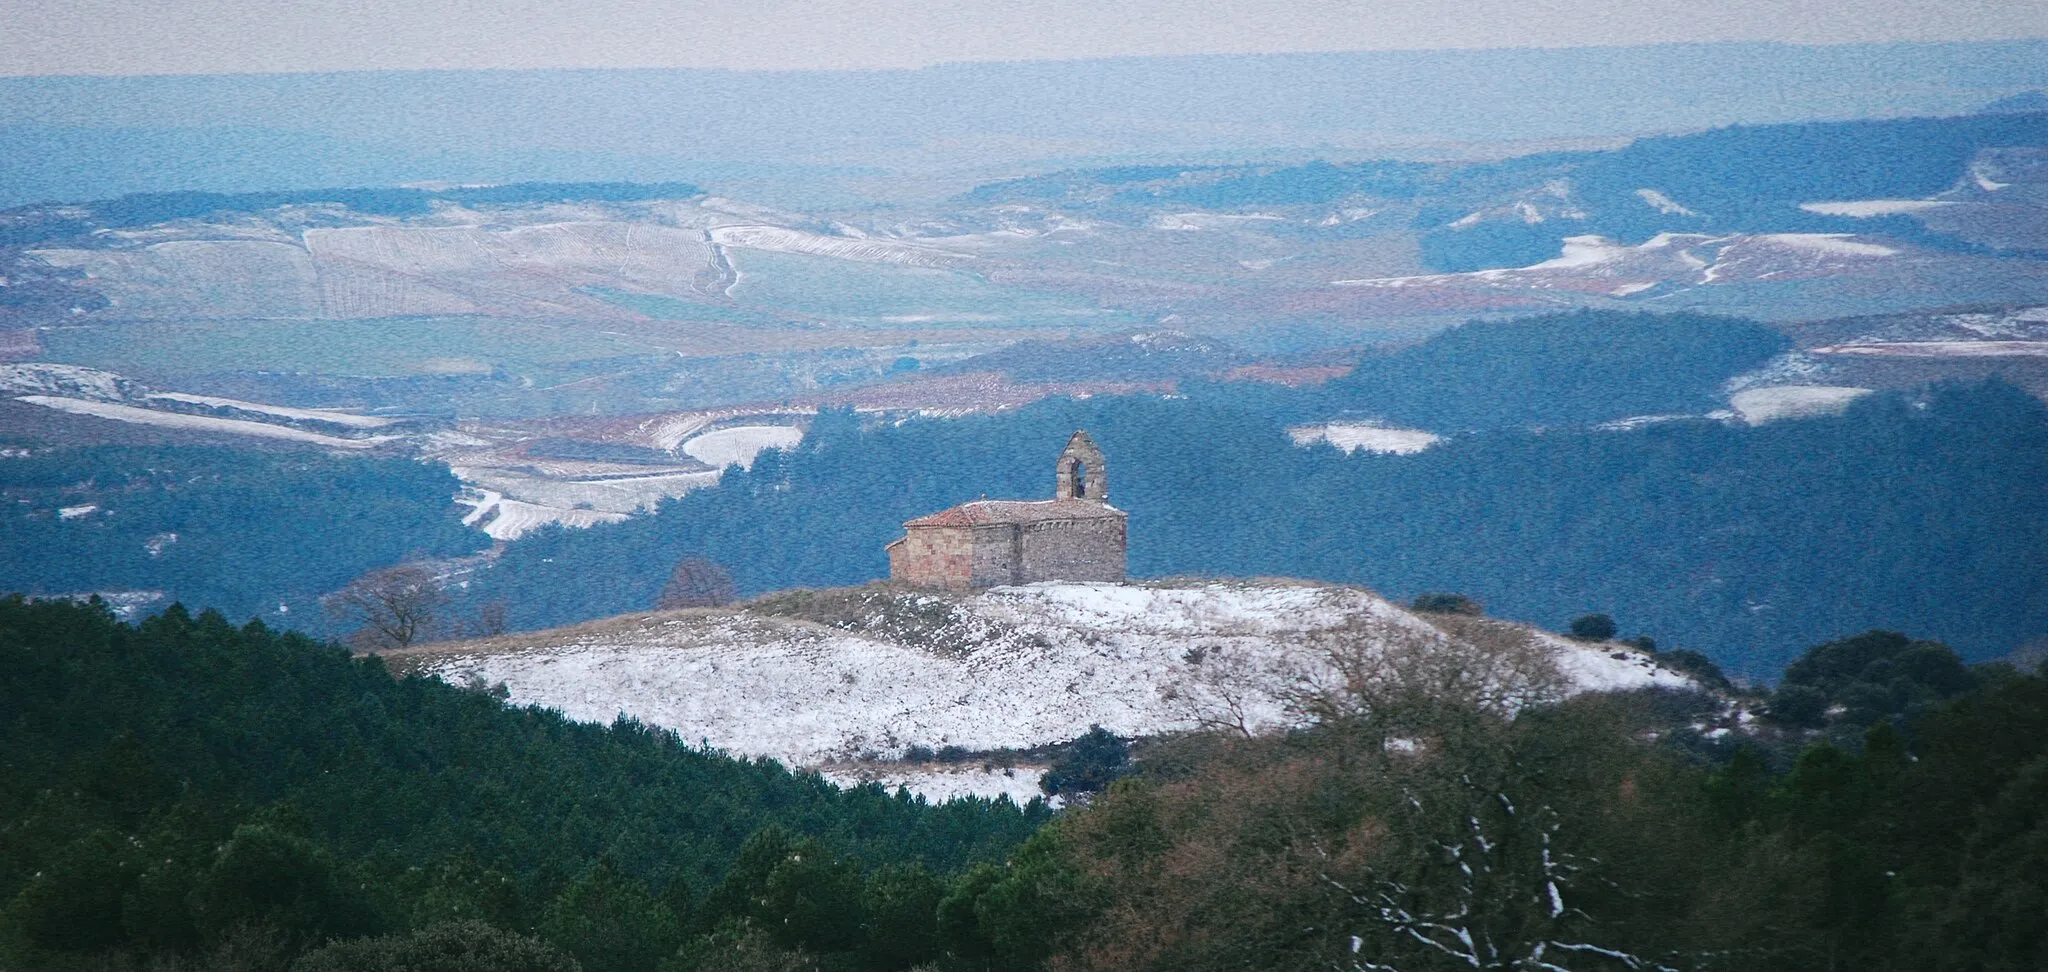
column 1088, row 764
column 1801, row 706
column 1593, row 627
column 1872, row 676
column 1692, row 663
column 1442, row 603
column 696, row 583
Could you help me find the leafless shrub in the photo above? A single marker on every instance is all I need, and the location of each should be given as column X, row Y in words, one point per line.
column 1376, row 668
column 490, row 619
column 696, row 583
column 1370, row 670
column 1231, row 689
column 395, row 607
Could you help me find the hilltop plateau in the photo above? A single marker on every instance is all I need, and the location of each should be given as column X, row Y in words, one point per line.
column 870, row 682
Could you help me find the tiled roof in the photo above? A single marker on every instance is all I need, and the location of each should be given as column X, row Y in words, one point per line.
column 981, row 512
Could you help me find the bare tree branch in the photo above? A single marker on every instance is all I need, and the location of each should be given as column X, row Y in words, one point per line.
column 395, row 606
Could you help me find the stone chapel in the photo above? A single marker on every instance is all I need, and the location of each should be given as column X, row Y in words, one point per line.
column 1075, row 536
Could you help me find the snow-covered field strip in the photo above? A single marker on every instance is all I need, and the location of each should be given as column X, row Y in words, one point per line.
column 1666, row 257
column 516, row 517
column 1863, row 208
column 310, row 414
column 782, row 239
column 202, row 423
column 480, row 506
column 1760, row 405
column 1187, row 222
column 609, row 493
column 68, row 381
column 1942, row 349
column 740, row 444
column 1030, row 666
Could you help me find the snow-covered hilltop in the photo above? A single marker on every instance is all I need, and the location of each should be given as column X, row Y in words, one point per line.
column 823, row 678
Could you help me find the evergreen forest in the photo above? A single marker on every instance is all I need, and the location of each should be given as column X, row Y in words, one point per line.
column 245, row 531
column 184, row 787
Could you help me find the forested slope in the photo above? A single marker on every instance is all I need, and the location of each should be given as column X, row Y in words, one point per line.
column 184, row 795
column 1569, row 369
column 241, row 530
column 165, row 785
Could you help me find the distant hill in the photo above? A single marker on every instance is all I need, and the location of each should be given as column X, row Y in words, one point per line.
column 2023, row 102
column 1556, row 370
column 1738, row 179
column 797, row 134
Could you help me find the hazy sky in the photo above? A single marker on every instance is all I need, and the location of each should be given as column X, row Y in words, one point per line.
column 224, row 36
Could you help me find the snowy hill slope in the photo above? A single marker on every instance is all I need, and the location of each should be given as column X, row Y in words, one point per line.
column 1011, row 668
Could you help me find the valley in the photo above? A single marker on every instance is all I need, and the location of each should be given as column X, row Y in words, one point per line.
column 585, row 357
column 1541, row 506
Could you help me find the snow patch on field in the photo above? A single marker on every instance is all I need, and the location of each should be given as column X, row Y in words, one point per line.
column 1941, row 349
column 1863, row 208
column 1191, row 222
column 1584, row 251
column 562, row 486
column 1759, row 405
column 2025, row 322
column 1663, row 203
column 479, row 505
column 1830, row 244
column 1790, row 368
column 515, row 517
column 199, row 278
column 306, row 414
column 1011, row 668
column 69, row 381
column 1593, row 264
column 781, row 239
column 740, row 444
column 389, row 271
column 1353, row 436
column 199, row 423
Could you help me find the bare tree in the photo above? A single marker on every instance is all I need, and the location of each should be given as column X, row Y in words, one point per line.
column 696, row 583
column 1375, row 668
column 1494, row 881
column 1437, row 814
column 490, row 618
column 1371, row 670
column 395, row 606
column 1500, row 895
column 1229, row 689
